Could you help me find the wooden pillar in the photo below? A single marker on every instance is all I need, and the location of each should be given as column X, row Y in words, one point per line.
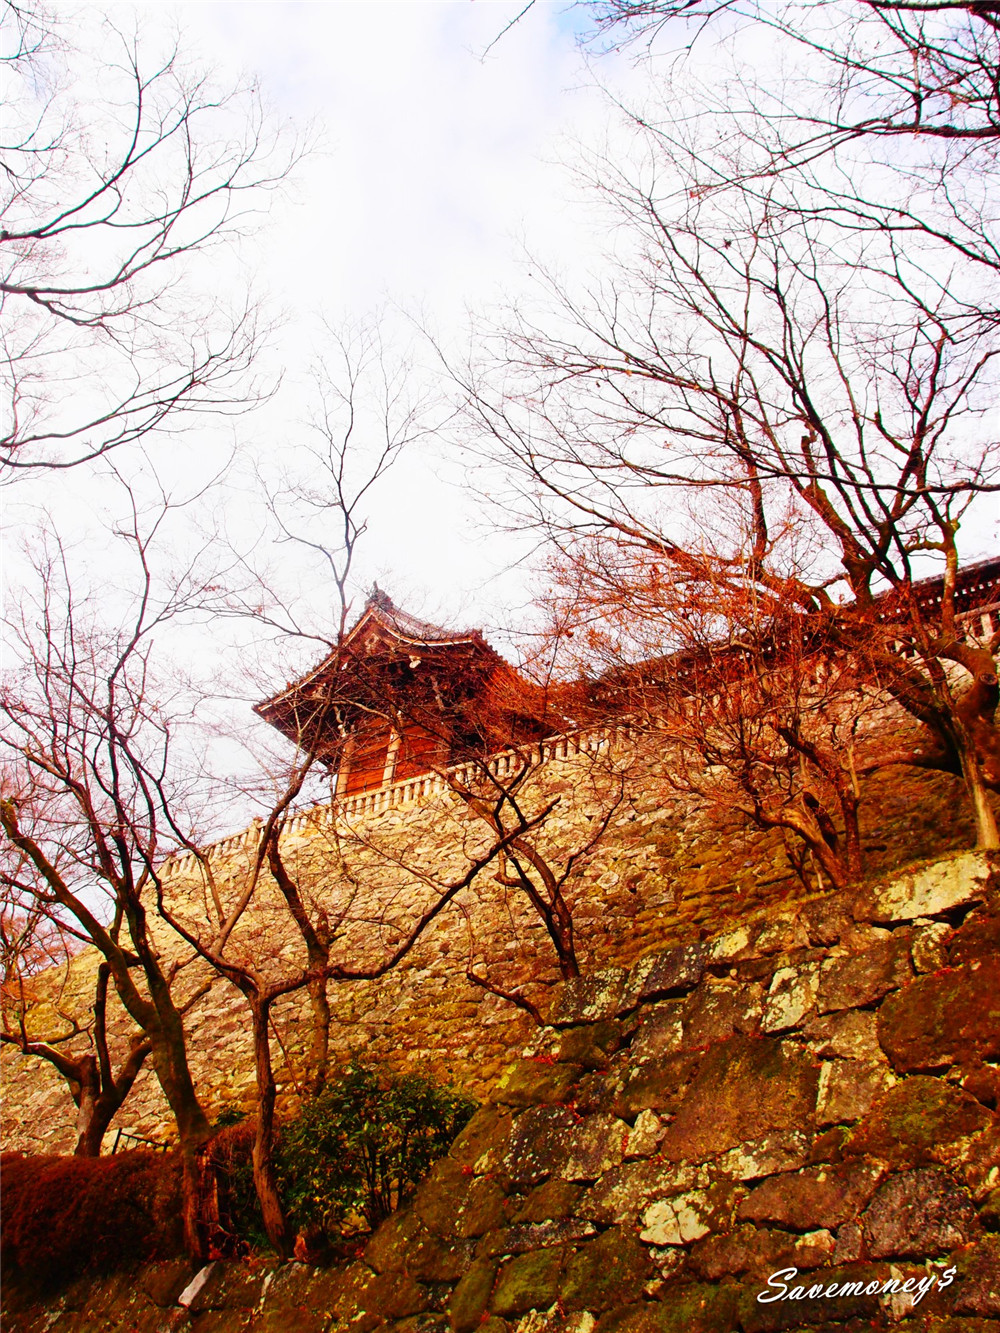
column 344, row 766
column 391, row 755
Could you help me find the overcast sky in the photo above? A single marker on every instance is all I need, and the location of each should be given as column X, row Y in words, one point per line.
column 436, row 166
column 437, row 163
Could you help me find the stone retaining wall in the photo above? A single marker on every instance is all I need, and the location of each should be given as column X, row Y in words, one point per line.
column 815, row 1090
column 666, row 873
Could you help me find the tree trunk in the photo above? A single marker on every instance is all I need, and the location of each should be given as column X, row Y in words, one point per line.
column 91, row 1136
column 102, row 1108
column 319, row 1043
column 169, row 1056
column 101, row 1111
column 830, row 862
column 264, row 1178
column 89, row 1131
column 987, row 833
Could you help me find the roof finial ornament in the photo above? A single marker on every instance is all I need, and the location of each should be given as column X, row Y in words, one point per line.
column 379, row 599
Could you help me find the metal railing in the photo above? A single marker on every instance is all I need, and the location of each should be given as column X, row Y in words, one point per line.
column 138, row 1141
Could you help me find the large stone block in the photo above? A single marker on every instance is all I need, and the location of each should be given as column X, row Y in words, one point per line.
column 164, row 1282
column 686, row 1217
column 452, row 1201
column 978, row 937
column 471, row 1296
column 795, row 1310
column 929, row 890
column 521, row 1237
column 645, row 1135
column 859, row 979
column 791, row 998
column 361, row 1296
column 529, row 1282
column 919, row 1214
column 825, row 919
column 555, row 1141
column 682, row 1307
column 605, row 1273
column 671, row 973
column 720, row 1010
column 850, row 1034
column 550, row 1202
column 595, row 1146
column 922, row 1121
column 786, row 934
column 536, row 1082
column 661, row 1031
column 591, row 1045
column 786, row 1150
column 929, row 950
column 745, row 1088
column 847, row 1088
column 980, row 1163
column 759, row 1251
column 977, row 1283
column 820, row 1197
column 588, row 999
column 402, row 1244
column 945, row 1018
column 488, row 1130
column 624, row 1192
column 656, row 1085
column 734, row 944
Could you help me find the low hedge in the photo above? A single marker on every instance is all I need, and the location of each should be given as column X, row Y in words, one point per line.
column 62, row 1216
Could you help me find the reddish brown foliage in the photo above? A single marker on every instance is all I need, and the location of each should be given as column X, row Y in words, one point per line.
column 62, row 1216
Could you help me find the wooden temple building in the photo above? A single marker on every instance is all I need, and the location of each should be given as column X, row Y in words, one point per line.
column 401, row 697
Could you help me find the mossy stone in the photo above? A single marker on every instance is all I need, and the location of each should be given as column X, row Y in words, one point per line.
column 945, row 1018
column 697, row 1308
column 551, row 1201
column 606, row 1272
column 921, row 1121
column 534, row 1083
column 529, row 1282
column 471, row 1296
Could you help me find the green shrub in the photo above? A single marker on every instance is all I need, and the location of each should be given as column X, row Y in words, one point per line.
column 350, row 1157
column 359, row 1149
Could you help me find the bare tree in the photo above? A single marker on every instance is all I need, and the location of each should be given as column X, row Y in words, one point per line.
column 880, row 116
column 125, row 172
column 748, row 704
column 100, row 796
column 913, row 67
column 365, row 418
column 823, row 383
column 336, row 944
column 92, row 724
column 36, row 1022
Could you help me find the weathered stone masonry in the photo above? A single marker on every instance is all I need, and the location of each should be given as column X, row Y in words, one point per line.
column 816, row 1089
column 665, row 874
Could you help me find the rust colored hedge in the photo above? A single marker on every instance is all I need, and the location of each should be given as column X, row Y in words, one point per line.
column 62, row 1216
